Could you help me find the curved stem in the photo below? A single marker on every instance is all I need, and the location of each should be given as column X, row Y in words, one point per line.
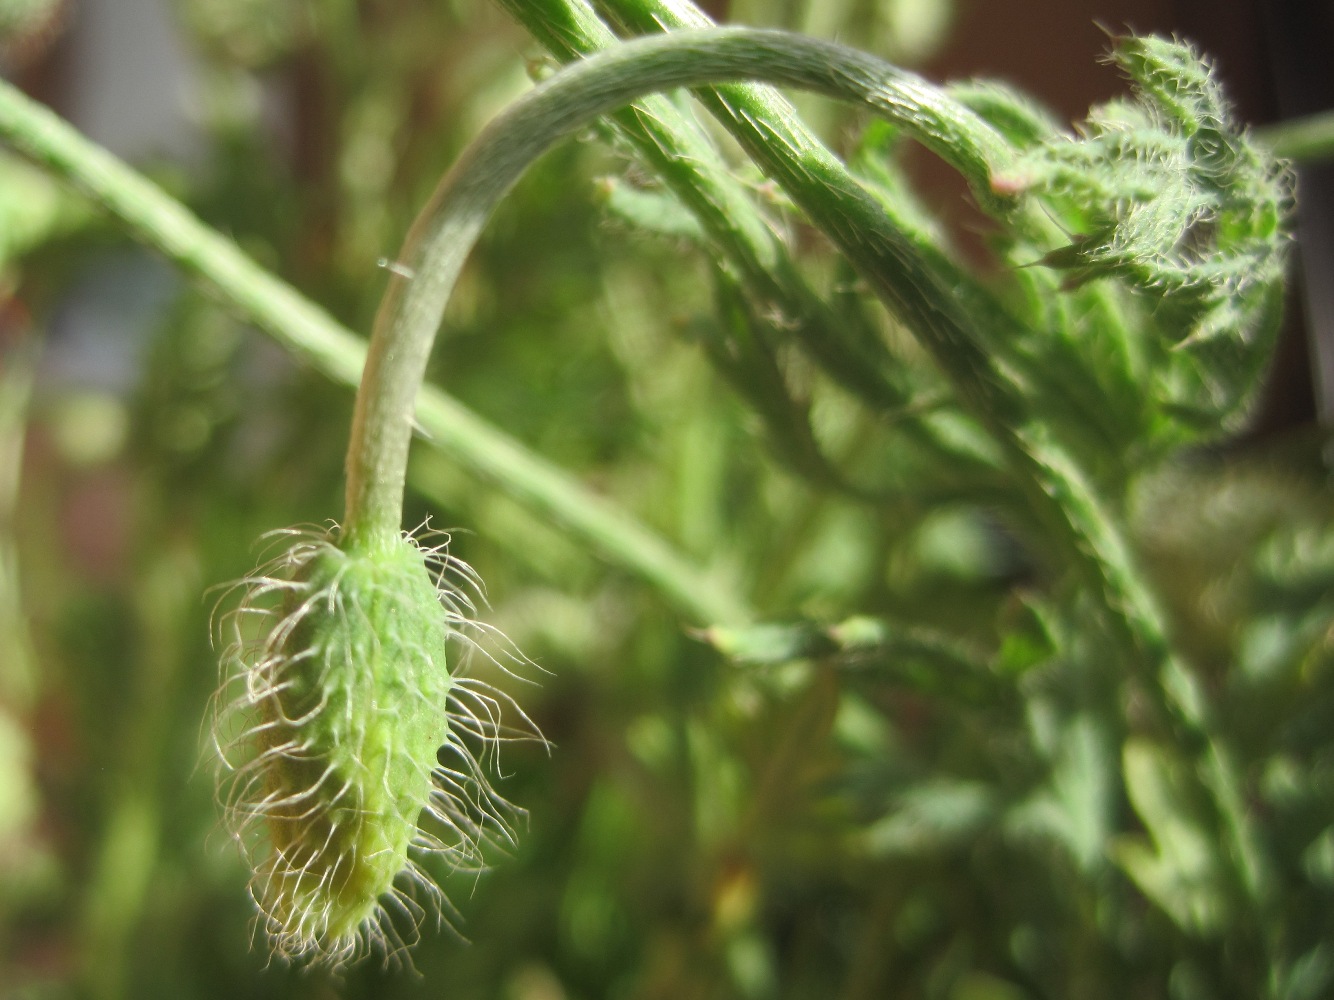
column 1062, row 495
column 313, row 335
column 449, row 225
column 742, row 237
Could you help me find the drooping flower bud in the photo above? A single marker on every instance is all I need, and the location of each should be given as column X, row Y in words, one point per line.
column 335, row 715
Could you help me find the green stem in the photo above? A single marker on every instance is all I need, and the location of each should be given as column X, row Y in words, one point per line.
column 765, row 124
column 308, row 331
column 1306, row 140
column 451, row 222
column 686, row 160
column 952, row 317
column 738, row 233
column 449, row 225
column 919, row 292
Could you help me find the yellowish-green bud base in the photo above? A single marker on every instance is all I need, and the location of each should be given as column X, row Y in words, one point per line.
column 350, row 733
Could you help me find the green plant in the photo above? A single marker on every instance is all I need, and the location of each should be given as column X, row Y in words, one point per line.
column 1135, row 321
column 1208, row 248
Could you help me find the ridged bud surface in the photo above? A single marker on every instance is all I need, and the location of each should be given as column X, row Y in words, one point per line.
column 344, row 706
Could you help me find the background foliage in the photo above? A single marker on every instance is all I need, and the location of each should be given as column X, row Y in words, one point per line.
column 928, row 779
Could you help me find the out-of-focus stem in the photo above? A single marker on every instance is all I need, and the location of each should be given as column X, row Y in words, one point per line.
column 1306, row 140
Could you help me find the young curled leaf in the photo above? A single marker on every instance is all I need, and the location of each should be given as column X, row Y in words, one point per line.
column 1165, row 191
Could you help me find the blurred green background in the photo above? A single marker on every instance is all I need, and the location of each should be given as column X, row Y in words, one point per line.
column 810, row 827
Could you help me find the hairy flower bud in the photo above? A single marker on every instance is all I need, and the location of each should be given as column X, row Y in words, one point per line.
column 331, row 739
column 1166, row 191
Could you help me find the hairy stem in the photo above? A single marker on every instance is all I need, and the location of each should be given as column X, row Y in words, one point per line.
column 687, row 162
column 948, row 312
column 449, row 225
column 1060, row 491
column 738, row 233
column 935, row 303
column 311, row 333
